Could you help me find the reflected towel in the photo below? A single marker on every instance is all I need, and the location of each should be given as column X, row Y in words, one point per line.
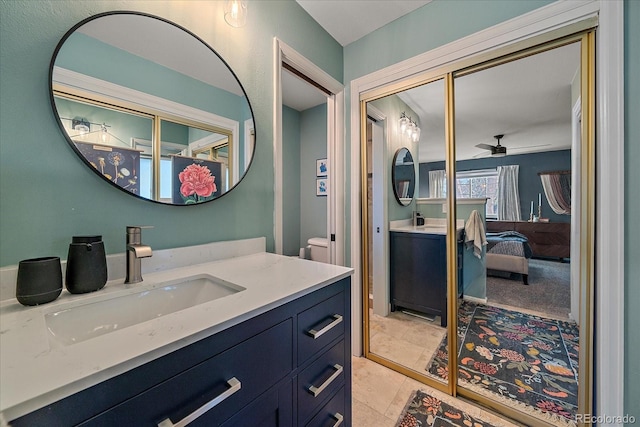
column 474, row 233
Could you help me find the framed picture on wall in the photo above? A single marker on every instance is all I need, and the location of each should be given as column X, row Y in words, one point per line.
column 321, row 167
column 322, row 186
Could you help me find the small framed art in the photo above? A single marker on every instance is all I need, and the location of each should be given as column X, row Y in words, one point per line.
column 322, row 186
column 321, row 167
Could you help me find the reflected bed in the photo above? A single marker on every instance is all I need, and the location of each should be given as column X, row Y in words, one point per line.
column 509, row 251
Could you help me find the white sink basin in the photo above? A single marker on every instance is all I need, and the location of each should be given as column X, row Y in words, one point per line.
column 90, row 320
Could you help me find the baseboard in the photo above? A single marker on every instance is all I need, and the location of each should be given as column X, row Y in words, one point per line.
column 474, row 299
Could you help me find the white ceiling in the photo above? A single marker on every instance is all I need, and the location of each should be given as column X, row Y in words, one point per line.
column 350, row 20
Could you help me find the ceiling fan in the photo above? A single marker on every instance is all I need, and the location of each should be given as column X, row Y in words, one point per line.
column 499, row 150
column 496, row 150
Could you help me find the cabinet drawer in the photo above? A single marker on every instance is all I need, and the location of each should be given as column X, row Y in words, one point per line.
column 186, row 393
column 320, row 380
column 332, row 414
column 320, row 325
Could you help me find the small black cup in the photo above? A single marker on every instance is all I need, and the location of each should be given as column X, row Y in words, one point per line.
column 39, row 280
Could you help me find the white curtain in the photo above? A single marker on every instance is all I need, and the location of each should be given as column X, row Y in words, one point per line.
column 437, row 184
column 508, row 196
column 557, row 189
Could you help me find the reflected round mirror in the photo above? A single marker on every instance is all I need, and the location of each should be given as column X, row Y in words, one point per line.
column 151, row 108
column 403, row 176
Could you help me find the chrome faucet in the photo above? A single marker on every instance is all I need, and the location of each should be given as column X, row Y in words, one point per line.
column 135, row 252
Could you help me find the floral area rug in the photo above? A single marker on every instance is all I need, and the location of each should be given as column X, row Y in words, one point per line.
column 528, row 362
column 425, row 410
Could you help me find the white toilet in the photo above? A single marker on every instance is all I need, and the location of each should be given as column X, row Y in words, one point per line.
column 319, row 249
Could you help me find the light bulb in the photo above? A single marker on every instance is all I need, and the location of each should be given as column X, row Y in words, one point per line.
column 235, row 13
column 104, row 135
column 415, row 136
column 410, row 127
column 404, row 121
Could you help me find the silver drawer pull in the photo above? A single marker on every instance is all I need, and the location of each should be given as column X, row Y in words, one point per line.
column 317, row 334
column 234, row 385
column 317, row 390
column 339, row 419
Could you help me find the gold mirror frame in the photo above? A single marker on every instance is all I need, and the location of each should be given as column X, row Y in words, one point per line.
column 586, row 37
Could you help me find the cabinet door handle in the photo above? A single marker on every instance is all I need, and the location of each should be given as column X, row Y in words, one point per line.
column 317, row 334
column 234, row 385
column 339, row 419
column 317, row 390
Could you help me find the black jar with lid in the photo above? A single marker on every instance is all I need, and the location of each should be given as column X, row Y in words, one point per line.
column 86, row 265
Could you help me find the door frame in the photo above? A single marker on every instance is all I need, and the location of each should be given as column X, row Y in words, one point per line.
column 608, row 348
column 380, row 216
column 335, row 148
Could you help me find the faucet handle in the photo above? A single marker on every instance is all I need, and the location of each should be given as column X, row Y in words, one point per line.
column 131, row 229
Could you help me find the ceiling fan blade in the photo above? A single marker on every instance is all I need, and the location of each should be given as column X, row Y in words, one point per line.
column 485, row 146
column 526, row 147
column 479, row 155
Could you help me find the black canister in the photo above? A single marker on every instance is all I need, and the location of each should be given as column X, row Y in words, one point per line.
column 39, row 280
column 86, row 265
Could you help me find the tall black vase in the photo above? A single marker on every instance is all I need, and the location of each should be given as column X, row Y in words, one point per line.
column 86, row 265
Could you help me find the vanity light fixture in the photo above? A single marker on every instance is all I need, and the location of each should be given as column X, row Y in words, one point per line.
column 235, row 13
column 409, row 127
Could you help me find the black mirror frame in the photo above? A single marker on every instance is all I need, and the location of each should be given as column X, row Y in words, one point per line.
column 394, row 177
column 77, row 151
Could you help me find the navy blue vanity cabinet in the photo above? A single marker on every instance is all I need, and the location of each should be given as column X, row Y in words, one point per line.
column 418, row 273
column 290, row 366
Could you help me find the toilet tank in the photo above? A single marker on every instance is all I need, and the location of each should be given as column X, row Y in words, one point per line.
column 319, row 249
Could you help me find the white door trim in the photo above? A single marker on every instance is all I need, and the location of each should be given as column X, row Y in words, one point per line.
column 610, row 237
column 609, row 301
column 335, row 147
column 380, row 224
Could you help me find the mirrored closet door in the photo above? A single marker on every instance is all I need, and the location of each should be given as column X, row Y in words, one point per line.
column 477, row 224
column 407, row 229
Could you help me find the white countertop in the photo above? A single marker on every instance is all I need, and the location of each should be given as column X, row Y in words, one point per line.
column 431, row 226
column 35, row 373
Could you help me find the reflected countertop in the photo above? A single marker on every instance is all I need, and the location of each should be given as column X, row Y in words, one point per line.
column 431, row 226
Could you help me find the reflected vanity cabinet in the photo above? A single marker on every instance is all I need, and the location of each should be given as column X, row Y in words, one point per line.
column 290, row 366
column 418, row 273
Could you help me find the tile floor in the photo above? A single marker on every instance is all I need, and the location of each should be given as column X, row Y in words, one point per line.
column 380, row 395
column 407, row 340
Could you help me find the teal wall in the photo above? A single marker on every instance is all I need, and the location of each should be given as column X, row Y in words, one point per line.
column 304, row 140
column 529, row 182
column 313, row 146
column 632, row 206
column 48, row 194
column 291, row 178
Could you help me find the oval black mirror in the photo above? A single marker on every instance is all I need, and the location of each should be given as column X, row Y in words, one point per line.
column 151, row 108
column 403, row 176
